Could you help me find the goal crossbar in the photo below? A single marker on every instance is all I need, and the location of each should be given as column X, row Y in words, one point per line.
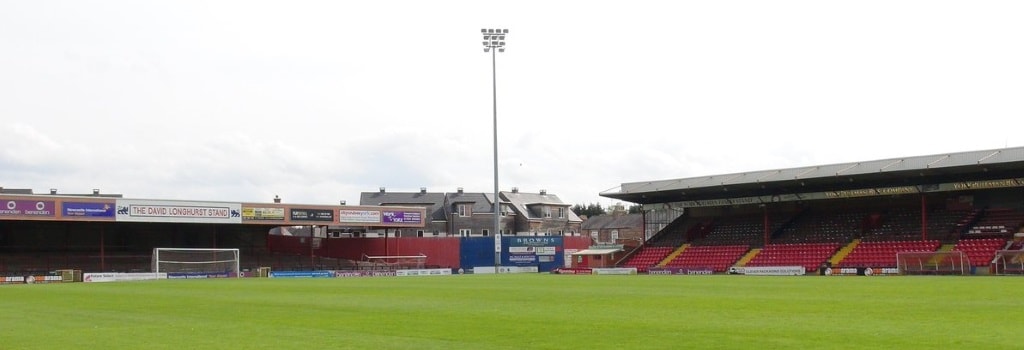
column 211, row 261
column 396, row 261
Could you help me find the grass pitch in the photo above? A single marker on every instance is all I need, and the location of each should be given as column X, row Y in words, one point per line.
column 528, row 311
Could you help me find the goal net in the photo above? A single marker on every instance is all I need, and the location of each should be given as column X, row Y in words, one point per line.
column 1009, row 262
column 395, row 262
column 932, row 263
column 196, row 262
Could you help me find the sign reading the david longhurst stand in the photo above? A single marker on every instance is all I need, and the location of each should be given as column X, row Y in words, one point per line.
column 301, row 214
column 27, row 208
column 402, row 217
column 88, row 210
column 173, row 211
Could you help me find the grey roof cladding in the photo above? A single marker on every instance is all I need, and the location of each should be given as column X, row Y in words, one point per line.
column 481, row 203
column 606, row 221
column 522, row 202
column 434, row 202
column 894, row 166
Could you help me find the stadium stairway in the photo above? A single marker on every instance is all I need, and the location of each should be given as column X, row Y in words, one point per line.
column 747, row 257
column 673, row 255
column 943, row 248
column 842, row 253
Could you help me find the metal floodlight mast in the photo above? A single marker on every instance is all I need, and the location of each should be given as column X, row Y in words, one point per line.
column 494, row 42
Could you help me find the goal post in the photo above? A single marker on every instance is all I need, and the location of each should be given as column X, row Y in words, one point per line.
column 198, row 262
column 395, row 262
column 1009, row 262
column 932, row 263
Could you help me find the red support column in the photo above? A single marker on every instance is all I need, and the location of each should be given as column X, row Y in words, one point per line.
column 767, row 224
column 103, row 262
column 924, row 218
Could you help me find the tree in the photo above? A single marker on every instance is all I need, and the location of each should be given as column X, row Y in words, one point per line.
column 635, row 208
column 590, row 210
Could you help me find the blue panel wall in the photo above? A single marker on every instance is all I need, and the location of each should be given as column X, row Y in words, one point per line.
column 476, row 251
column 515, row 251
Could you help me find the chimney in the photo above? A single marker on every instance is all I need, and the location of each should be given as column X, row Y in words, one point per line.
column 95, row 192
column 382, row 189
column 515, row 189
column 53, row 191
column 342, row 202
column 460, row 190
column 277, row 199
column 543, row 192
column 423, row 190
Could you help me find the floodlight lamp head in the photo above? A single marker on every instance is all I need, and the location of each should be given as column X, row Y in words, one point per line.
column 501, row 49
column 505, row 31
column 487, row 49
column 483, row 30
column 490, row 30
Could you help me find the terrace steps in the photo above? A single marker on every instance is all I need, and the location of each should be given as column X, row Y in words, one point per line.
column 747, row 257
column 673, row 255
column 842, row 253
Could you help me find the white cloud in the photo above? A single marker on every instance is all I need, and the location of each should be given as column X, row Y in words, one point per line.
column 319, row 101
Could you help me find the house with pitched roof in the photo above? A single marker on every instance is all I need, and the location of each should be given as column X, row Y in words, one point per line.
column 471, row 214
column 542, row 214
column 617, row 227
column 436, row 223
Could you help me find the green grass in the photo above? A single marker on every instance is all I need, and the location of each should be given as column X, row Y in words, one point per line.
column 518, row 312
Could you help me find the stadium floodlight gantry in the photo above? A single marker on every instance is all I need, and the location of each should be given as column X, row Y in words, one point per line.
column 494, row 41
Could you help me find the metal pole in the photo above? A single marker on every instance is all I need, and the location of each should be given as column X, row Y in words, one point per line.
column 494, row 42
column 497, row 200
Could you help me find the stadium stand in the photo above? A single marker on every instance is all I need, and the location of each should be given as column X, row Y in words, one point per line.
column 717, row 258
column 808, row 255
column 647, row 257
column 826, row 226
column 980, row 251
column 995, row 223
column 883, row 253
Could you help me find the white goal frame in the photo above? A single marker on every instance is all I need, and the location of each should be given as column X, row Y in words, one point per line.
column 952, row 262
column 396, row 262
column 231, row 260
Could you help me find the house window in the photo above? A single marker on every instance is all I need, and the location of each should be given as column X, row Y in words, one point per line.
column 419, row 233
column 486, row 232
column 547, row 212
column 463, row 210
column 561, row 233
column 561, row 213
column 465, row 232
column 503, row 209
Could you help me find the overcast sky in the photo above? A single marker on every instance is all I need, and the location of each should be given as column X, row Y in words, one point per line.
column 318, row 101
